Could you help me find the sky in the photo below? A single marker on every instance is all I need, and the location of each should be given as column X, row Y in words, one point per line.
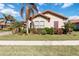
column 71, row 10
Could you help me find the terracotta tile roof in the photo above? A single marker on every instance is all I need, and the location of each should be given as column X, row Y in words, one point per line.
column 74, row 21
column 31, row 18
column 2, row 23
column 56, row 14
column 48, row 11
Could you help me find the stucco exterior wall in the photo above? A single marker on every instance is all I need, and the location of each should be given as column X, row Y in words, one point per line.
column 55, row 18
column 29, row 23
column 51, row 23
column 46, row 23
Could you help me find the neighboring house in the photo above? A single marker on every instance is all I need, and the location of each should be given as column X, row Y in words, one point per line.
column 2, row 23
column 48, row 19
column 76, row 23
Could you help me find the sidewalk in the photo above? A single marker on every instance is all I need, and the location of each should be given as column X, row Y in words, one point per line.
column 76, row 42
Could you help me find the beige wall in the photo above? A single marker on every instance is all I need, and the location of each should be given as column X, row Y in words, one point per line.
column 54, row 18
column 29, row 24
column 46, row 23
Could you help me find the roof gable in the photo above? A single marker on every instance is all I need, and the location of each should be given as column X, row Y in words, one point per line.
column 40, row 15
column 56, row 14
column 74, row 21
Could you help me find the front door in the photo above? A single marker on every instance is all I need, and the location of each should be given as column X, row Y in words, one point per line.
column 56, row 24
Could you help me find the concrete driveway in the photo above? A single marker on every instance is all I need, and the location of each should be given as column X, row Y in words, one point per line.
column 5, row 33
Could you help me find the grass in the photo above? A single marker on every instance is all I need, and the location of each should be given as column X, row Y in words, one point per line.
column 39, row 50
column 33, row 37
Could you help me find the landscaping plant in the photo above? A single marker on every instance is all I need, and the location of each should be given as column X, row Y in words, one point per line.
column 68, row 27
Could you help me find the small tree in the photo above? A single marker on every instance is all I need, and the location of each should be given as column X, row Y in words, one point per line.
column 68, row 27
column 16, row 27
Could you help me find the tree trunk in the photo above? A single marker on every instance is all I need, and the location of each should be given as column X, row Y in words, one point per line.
column 6, row 23
column 27, row 27
column 31, row 27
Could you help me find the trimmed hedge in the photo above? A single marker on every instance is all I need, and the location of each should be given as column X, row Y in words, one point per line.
column 46, row 30
column 49, row 30
column 43, row 31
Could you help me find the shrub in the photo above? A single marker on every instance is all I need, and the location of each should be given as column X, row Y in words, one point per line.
column 33, row 30
column 75, row 28
column 23, row 31
column 64, row 31
column 49, row 30
column 59, row 31
column 43, row 32
column 68, row 27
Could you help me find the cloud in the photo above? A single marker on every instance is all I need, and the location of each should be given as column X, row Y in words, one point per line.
column 39, row 11
column 65, row 5
column 73, row 17
column 38, row 8
column 41, row 4
column 10, row 11
column 11, row 6
column 57, row 4
column 2, row 6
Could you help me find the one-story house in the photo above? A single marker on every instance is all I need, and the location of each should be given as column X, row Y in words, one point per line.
column 48, row 19
column 3, row 24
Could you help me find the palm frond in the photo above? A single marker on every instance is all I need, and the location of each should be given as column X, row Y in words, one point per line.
column 5, row 16
column 22, row 10
column 32, row 11
column 34, row 7
column 10, row 17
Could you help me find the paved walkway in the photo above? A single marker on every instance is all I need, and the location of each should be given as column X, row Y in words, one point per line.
column 39, row 42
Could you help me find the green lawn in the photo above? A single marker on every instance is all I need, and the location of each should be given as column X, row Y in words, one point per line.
column 39, row 50
column 30, row 37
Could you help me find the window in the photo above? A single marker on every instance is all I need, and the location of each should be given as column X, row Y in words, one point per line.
column 39, row 24
column 36, row 23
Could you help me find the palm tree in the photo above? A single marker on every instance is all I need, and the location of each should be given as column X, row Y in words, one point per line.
column 9, row 18
column 31, row 9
